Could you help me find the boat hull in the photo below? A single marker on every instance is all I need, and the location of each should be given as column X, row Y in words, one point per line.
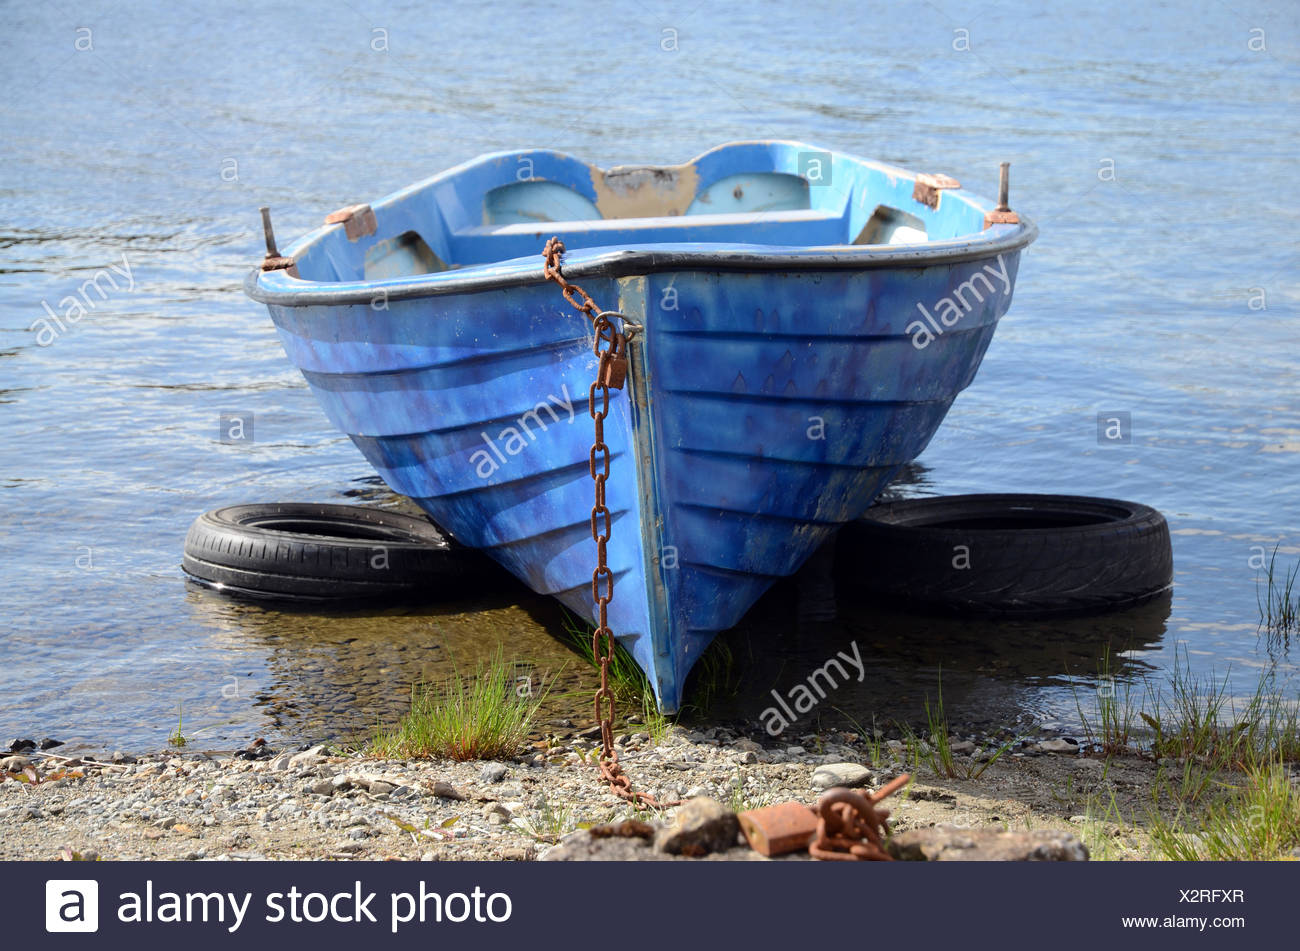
column 763, row 410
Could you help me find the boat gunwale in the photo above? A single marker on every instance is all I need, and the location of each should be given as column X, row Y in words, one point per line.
column 600, row 263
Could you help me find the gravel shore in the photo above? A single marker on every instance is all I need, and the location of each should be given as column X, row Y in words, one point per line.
column 308, row 804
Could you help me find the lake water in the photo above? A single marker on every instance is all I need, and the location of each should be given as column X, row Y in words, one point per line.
column 1154, row 145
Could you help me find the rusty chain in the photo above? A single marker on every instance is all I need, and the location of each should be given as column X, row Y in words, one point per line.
column 610, row 348
column 850, row 827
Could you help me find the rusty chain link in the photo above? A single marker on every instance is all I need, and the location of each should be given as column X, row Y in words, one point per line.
column 610, row 348
column 850, row 827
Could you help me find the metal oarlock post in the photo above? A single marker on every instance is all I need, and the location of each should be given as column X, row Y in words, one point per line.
column 272, row 261
column 1002, row 214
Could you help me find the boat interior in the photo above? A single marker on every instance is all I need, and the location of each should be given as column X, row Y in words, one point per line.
column 503, row 207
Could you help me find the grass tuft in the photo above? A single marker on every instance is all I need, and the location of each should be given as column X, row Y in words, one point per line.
column 177, row 737
column 464, row 718
column 1279, row 602
column 1258, row 820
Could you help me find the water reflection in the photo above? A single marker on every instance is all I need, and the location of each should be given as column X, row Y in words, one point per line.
column 338, row 673
column 993, row 672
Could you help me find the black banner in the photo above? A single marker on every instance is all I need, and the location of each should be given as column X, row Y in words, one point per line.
column 660, row 905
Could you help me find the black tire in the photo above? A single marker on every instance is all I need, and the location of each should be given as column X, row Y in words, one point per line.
column 1010, row 555
column 313, row 552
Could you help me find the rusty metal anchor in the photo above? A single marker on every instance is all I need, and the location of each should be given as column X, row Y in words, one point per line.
column 851, row 827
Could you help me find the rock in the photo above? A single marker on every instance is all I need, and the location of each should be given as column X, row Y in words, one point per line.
column 14, row 764
column 493, row 772
column 745, row 745
column 445, row 791
column 952, row 844
column 49, row 743
column 840, row 774
column 308, row 757
column 747, row 758
column 324, row 787
column 895, row 745
column 962, row 747
column 795, row 751
column 701, row 826
column 696, row 791
column 121, row 758
column 21, row 746
column 280, row 763
column 380, row 787
column 1063, row 745
column 516, row 855
column 582, row 846
column 496, row 809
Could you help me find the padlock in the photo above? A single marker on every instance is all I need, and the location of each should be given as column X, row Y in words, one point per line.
column 776, row 830
column 613, row 370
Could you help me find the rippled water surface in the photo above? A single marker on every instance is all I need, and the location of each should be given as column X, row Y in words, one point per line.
column 1154, row 145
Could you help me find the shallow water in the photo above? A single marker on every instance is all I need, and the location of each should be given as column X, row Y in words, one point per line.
column 153, row 149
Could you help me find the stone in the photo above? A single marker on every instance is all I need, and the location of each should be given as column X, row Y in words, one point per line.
column 696, row 791
column 49, row 743
column 1062, row 745
column 701, row 826
column 582, row 846
column 21, row 746
column 380, row 788
column 953, row 844
column 493, row 772
column 309, row 757
column 746, row 745
column 446, row 791
column 747, row 758
column 961, row 747
column 121, row 758
column 496, row 809
column 841, row 774
column 516, row 855
column 14, row 764
column 323, row 787
column 280, row 763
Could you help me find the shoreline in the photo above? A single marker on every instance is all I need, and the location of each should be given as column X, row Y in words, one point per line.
column 308, row 804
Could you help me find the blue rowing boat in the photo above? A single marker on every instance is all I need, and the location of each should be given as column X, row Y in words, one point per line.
column 800, row 320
